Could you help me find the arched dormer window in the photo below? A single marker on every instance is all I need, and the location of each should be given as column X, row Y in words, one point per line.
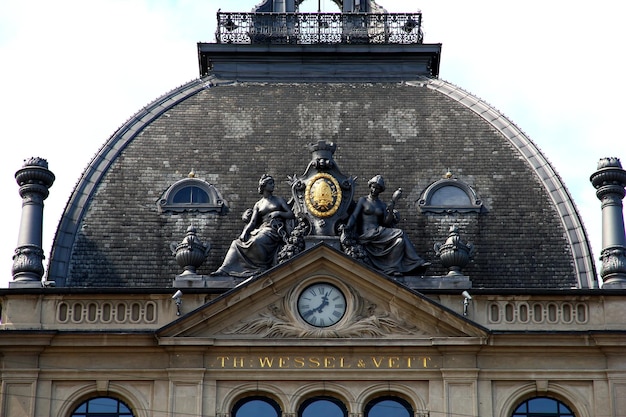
column 450, row 195
column 192, row 194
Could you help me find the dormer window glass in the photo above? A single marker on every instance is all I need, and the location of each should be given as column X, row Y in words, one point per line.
column 192, row 194
column 450, row 195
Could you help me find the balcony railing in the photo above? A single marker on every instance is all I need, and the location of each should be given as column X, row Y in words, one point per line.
column 319, row 28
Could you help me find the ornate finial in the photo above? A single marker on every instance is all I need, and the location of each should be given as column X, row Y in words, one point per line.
column 191, row 174
column 35, row 161
column 191, row 252
column 448, row 174
column 454, row 253
column 609, row 161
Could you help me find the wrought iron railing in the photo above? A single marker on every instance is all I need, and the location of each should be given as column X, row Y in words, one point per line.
column 319, row 28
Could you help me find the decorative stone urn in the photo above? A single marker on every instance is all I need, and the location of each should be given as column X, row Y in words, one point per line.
column 454, row 253
column 191, row 252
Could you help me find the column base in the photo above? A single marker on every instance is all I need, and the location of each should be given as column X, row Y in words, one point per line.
column 25, row 284
column 615, row 282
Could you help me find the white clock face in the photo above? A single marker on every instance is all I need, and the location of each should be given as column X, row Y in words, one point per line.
column 321, row 304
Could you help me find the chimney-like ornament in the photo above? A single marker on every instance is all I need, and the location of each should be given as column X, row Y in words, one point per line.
column 609, row 181
column 34, row 179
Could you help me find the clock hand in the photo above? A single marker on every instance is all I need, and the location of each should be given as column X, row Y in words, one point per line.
column 319, row 308
column 324, row 303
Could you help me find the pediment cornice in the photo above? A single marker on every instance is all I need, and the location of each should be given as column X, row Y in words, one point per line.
column 377, row 307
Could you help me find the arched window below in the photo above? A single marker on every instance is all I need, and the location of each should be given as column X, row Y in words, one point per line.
column 256, row 407
column 542, row 407
column 102, row 407
column 323, row 406
column 388, row 407
column 192, row 194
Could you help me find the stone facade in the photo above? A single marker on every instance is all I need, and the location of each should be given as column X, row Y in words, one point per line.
column 60, row 348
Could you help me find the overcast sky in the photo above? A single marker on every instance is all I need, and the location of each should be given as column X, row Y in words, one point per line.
column 71, row 72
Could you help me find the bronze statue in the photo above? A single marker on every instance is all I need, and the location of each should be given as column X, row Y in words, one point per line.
column 265, row 232
column 387, row 248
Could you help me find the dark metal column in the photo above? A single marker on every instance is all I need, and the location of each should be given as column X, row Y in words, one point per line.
column 34, row 180
column 609, row 181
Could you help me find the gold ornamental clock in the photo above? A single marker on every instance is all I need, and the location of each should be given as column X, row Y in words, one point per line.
column 321, row 304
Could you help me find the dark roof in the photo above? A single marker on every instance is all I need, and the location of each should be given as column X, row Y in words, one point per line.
column 113, row 235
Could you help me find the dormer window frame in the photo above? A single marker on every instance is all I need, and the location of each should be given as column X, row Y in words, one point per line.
column 426, row 205
column 215, row 203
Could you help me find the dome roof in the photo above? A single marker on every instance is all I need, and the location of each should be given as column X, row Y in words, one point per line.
column 526, row 234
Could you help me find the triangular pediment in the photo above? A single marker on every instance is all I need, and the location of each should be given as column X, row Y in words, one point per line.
column 272, row 307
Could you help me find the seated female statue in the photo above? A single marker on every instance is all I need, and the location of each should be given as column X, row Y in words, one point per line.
column 255, row 250
column 387, row 248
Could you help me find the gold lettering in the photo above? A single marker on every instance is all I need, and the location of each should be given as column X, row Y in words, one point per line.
column 298, row 362
column 325, row 362
column 394, row 362
column 378, row 362
column 283, row 362
column 266, row 362
column 342, row 363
